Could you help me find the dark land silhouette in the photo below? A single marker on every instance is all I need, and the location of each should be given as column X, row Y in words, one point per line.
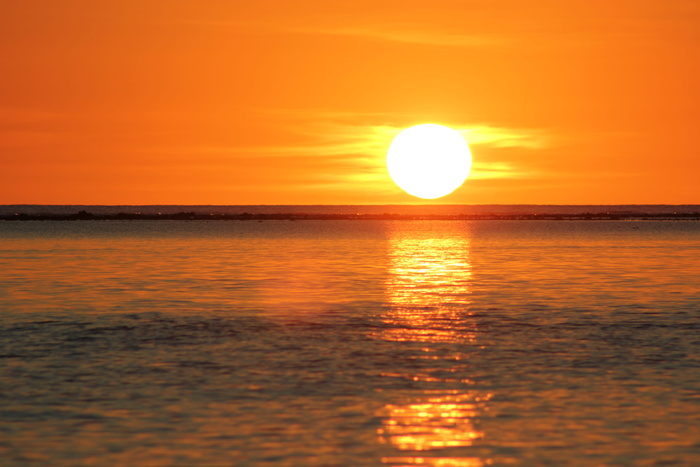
column 247, row 216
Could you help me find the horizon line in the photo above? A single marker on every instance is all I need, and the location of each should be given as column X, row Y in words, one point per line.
column 372, row 204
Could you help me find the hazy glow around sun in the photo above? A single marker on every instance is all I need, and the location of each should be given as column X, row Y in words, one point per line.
column 429, row 161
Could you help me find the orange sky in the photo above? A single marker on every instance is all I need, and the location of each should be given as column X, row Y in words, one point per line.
column 296, row 102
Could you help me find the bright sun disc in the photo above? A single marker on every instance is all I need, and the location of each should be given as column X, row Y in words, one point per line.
column 429, row 161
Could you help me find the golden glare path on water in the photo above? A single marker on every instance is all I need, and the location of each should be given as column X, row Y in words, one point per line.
column 428, row 288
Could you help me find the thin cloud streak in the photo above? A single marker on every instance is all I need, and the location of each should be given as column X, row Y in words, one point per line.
column 409, row 35
column 501, row 137
column 359, row 150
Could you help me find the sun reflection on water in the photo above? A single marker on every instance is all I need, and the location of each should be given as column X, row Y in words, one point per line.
column 434, row 423
column 429, row 290
column 436, row 461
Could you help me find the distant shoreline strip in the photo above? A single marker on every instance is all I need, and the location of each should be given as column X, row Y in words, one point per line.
column 245, row 216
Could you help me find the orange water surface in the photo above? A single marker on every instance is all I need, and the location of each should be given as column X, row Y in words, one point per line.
column 402, row 343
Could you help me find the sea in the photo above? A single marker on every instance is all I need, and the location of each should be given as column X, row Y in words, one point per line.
column 436, row 343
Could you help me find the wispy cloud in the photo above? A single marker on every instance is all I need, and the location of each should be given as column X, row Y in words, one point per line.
column 408, row 34
column 351, row 147
column 503, row 137
column 26, row 115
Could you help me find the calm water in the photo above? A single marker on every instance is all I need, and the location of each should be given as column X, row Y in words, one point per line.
column 411, row 343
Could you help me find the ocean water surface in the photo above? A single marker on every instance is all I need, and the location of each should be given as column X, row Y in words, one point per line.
column 398, row 343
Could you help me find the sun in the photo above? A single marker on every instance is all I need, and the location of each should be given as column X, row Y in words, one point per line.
column 429, row 161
